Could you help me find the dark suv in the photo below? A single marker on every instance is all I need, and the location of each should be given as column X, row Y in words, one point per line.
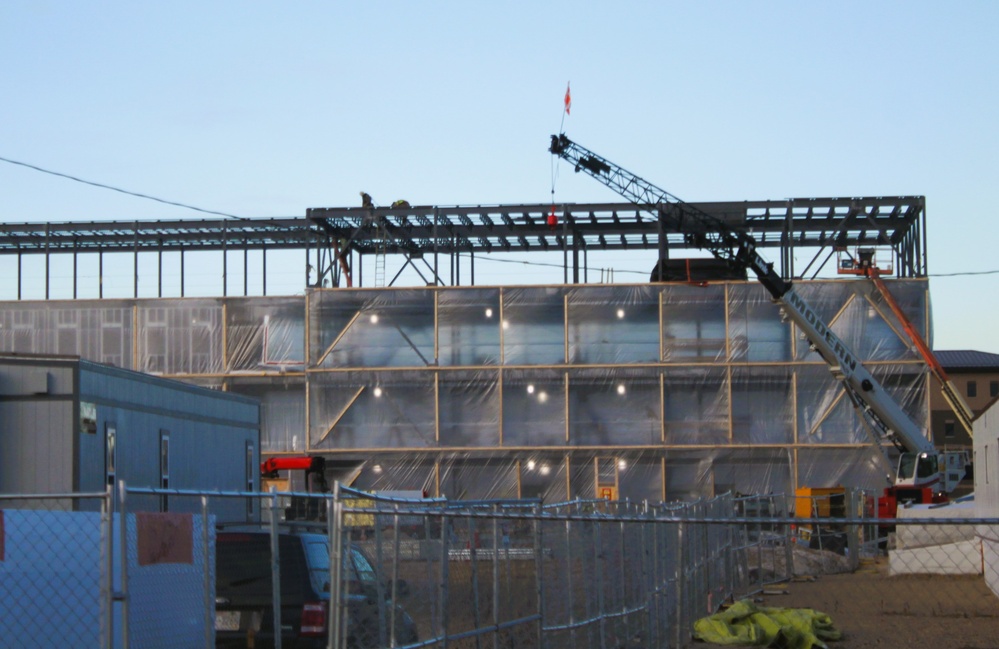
column 243, row 597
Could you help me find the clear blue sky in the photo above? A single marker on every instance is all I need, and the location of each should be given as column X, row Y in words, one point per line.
column 263, row 109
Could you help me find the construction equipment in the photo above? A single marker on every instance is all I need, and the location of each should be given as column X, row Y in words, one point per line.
column 950, row 392
column 301, row 508
column 865, row 263
column 922, row 474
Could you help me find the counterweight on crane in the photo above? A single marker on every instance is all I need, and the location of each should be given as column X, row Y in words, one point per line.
column 922, row 473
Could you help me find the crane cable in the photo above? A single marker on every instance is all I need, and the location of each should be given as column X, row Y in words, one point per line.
column 566, row 105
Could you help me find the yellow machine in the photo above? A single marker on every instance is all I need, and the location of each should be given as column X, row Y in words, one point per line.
column 817, row 502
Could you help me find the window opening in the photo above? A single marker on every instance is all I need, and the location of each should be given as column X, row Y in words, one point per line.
column 164, row 468
column 110, row 455
column 250, row 473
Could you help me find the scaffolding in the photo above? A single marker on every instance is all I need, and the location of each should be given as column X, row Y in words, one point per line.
column 660, row 391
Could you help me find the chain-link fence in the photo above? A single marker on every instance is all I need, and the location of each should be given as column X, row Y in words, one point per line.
column 55, row 570
column 360, row 570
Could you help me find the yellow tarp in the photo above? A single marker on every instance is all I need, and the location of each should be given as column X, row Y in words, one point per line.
column 745, row 623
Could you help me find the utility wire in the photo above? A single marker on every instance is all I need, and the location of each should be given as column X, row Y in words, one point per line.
column 131, row 193
column 964, row 274
column 260, row 219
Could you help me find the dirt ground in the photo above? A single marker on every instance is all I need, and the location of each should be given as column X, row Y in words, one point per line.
column 873, row 609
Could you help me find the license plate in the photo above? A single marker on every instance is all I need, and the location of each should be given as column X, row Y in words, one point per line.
column 227, row 620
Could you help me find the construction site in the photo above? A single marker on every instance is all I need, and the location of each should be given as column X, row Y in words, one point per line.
column 695, row 383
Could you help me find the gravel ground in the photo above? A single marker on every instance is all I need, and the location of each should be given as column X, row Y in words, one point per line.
column 873, row 609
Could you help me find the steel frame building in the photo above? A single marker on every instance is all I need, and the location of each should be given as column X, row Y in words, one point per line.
column 657, row 391
column 337, row 240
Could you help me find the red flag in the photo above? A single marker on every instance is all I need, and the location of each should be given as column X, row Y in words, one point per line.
column 568, row 99
column 552, row 219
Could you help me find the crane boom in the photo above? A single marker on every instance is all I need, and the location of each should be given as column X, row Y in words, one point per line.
column 738, row 248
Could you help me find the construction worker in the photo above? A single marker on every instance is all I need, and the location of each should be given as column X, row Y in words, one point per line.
column 401, row 204
column 366, row 200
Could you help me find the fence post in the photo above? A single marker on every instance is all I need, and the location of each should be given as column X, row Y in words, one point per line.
column 473, row 557
column 107, row 564
column 571, row 586
column 445, row 576
column 496, row 575
column 647, row 582
column 626, row 617
column 599, row 570
column 275, row 568
column 394, row 586
column 789, row 541
column 122, row 595
column 207, row 578
column 334, row 532
column 680, row 585
column 380, row 582
column 852, row 531
column 539, row 566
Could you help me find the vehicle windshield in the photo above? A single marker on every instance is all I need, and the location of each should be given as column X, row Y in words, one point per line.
column 920, row 465
column 318, row 556
column 365, row 572
column 356, row 565
column 907, row 466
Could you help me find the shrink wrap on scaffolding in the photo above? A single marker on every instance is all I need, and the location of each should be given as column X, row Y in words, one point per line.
column 671, row 390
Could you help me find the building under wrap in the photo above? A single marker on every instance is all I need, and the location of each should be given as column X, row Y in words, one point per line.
column 651, row 391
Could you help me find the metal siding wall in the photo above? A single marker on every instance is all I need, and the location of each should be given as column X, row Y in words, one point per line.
column 208, row 434
column 35, row 454
column 36, row 450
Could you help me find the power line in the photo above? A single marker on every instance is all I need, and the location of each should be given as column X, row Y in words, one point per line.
column 126, row 191
column 639, row 272
column 965, row 273
column 245, row 218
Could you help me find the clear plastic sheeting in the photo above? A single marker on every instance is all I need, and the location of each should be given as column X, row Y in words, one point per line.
column 613, row 325
column 99, row 331
column 534, row 326
column 825, row 413
column 478, row 479
column 534, row 408
column 649, row 391
column 762, row 405
column 179, row 336
column 756, row 331
column 612, row 407
column 858, row 314
column 863, row 467
column 384, row 409
column 372, row 328
column 468, row 327
column 694, row 329
column 282, row 411
column 265, row 335
column 469, row 408
column 696, row 405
